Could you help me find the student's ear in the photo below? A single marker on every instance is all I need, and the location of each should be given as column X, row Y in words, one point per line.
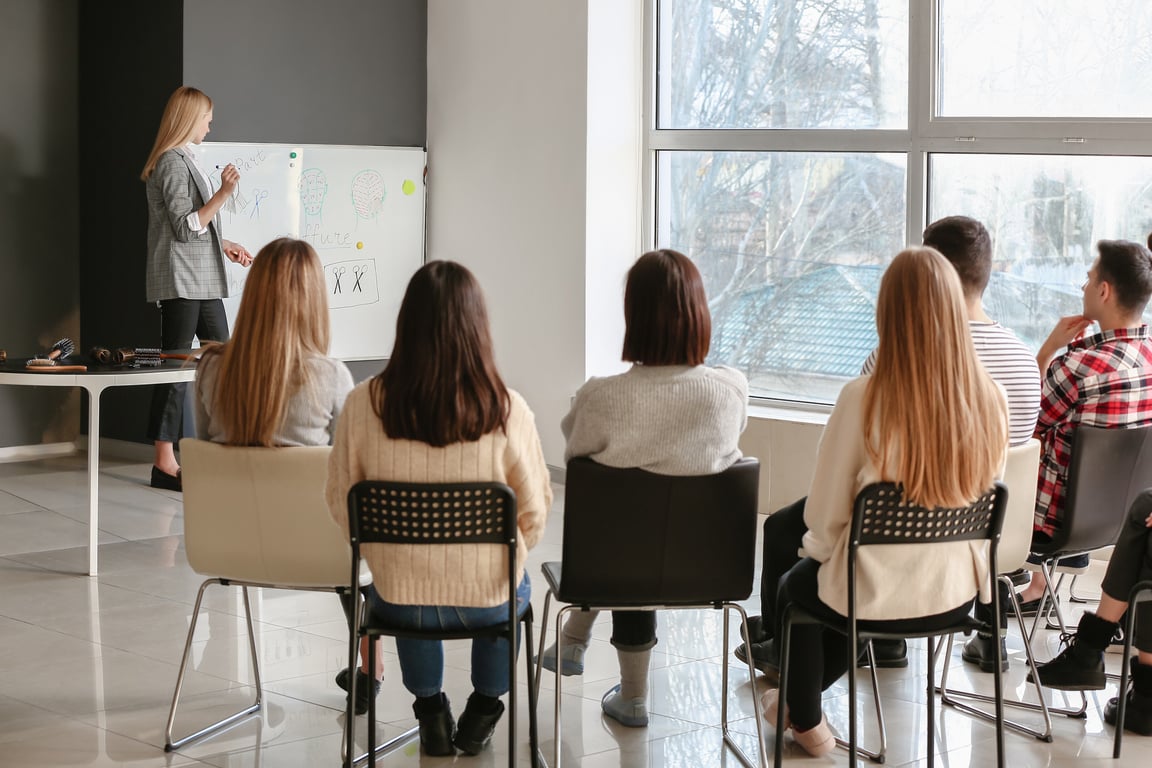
column 1106, row 292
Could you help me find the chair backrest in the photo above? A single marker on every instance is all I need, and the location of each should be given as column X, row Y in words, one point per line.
column 882, row 516
column 1109, row 467
column 1020, row 478
column 259, row 515
column 632, row 537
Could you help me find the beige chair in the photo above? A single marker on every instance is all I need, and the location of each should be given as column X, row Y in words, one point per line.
column 1015, row 543
column 256, row 517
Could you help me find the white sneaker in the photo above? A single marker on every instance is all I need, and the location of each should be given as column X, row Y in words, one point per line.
column 571, row 663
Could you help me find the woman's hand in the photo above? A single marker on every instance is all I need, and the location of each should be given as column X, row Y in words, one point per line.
column 229, row 178
column 237, row 253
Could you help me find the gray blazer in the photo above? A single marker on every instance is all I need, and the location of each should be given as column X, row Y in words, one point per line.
column 181, row 263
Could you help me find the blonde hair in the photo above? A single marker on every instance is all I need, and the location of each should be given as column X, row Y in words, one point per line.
column 186, row 106
column 282, row 321
column 933, row 416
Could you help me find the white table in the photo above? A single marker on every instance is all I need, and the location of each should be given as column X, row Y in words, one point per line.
column 94, row 382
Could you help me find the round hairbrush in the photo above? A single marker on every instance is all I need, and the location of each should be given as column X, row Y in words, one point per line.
column 101, row 355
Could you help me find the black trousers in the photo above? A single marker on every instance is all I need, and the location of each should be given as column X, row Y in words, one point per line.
column 1131, row 562
column 783, row 532
column 818, row 656
column 633, row 630
column 180, row 321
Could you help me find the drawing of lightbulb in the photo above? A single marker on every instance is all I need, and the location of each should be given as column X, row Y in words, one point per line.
column 313, row 188
column 368, row 194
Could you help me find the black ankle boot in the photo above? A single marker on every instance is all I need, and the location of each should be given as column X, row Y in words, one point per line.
column 436, row 725
column 1080, row 666
column 1138, row 710
column 477, row 723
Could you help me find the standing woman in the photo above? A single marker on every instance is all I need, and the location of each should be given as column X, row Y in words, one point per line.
column 440, row 413
column 185, row 266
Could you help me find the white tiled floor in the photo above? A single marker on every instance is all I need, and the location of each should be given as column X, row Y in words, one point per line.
column 87, row 666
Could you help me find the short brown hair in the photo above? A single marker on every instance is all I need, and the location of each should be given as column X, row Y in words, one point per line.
column 666, row 315
column 441, row 385
column 966, row 244
column 1127, row 267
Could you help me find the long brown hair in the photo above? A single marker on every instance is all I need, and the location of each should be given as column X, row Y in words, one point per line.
column 186, row 106
column 666, row 315
column 441, row 385
column 282, row 321
column 932, row 414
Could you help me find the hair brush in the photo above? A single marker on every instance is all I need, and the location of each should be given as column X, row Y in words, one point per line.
column 59, row 350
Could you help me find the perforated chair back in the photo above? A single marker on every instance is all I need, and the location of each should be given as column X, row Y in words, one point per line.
column 259, row 515
column 1109, row 467
column 632, row 537
column 1020, row 479
column 882, row 516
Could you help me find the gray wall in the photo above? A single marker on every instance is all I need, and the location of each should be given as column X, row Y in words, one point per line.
column 38, row 207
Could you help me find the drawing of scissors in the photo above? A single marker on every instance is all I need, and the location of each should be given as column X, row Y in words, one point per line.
column 359, row 272
column 257, row 196
column 338, row 271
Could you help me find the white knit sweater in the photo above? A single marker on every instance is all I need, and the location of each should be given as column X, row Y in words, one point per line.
column 441, row 574
column 667, row 419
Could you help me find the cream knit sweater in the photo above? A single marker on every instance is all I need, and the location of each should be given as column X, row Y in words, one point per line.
column 471, row 575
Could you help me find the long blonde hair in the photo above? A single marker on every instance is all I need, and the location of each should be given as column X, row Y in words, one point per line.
column 186, row 106
column 282, row 321
column 933, row 416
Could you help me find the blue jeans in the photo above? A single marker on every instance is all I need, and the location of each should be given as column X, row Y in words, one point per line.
column 422, row 661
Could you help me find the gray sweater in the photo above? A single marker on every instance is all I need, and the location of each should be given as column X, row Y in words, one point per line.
column 668, row 419
column 310, row 417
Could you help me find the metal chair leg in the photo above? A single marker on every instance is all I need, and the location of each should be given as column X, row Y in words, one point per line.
column 878, row 755
column 757, row 712
column 543, row 639
column 559, row 678
column 533, row 693
column 227, row 722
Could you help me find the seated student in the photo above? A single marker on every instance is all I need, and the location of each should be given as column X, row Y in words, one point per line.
column 273, row 384
column 967, row 246
column 440, row 413
column 1102, row 380
column 669, row 414
column 1080, row 666
column 944, row 438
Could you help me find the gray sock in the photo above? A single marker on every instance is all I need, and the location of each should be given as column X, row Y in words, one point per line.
column 578, row 627
column 634, row 673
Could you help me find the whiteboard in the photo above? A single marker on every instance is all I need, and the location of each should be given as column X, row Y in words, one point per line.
column 361, row 208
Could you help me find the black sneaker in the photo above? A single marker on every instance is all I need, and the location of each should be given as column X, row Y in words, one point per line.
column 477, row 723
column 890, row 654
column 979, row 650
column 1137, row 713
column 436, row 725
column 765, row 658
column 363, row 685
column 1076, row 668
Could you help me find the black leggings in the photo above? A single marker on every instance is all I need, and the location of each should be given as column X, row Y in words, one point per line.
column 783, row 532
column 1131, row 562
column 180, row 321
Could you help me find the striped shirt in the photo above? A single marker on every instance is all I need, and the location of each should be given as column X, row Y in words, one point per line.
column 1104, row 380
column 1011, row 365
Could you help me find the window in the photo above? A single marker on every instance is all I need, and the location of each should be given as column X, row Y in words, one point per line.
column 797, row 145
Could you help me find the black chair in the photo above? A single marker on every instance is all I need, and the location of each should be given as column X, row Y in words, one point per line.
column 638, row 541
column 881, row 516
column 1141, row 592
column 383, row 512
column 1108, row 468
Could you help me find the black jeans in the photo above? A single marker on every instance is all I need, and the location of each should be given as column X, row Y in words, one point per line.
column 180, row 321
column 1131, row 562
column 633, row 630
column 818, row 656
column 783, row 532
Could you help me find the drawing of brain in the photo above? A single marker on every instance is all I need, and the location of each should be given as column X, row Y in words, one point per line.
column 368, row 194
column 313, row 187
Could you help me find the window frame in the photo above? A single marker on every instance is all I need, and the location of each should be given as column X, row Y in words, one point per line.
column 926, row 134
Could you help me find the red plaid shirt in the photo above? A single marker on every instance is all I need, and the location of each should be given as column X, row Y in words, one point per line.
column 1103, row 380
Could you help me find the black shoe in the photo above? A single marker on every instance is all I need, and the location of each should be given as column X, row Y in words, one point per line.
column 477, row 723
column 1080, row 666
column 765, row 658
column 363, row 685
column 436, row 725
column 979, row 650
column 1137, row 713
column 1029, row 607
column 890, row 654
column 756, row 629
column 165, row 481
column 1021, row 577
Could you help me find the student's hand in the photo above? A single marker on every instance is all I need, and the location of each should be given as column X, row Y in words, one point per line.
column 229, row 178
column 237, row 253
column 1067, row 330
column 1148, row 522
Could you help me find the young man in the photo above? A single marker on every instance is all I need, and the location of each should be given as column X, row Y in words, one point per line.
column 1102, row 380
column 966, row 244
